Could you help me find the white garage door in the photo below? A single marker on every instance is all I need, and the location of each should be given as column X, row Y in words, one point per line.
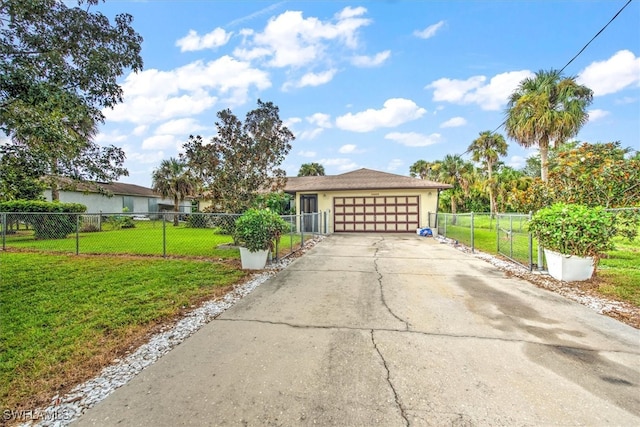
column 390, row 214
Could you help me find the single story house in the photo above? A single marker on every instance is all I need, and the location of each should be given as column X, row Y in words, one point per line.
column 366, row 200
column 120, row 197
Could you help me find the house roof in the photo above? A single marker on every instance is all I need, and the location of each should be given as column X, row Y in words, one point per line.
column 118, row 188
column 361, row 179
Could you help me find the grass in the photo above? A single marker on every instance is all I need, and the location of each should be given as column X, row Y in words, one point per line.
column 63, row 317
column 147, row 238
column 620, row 272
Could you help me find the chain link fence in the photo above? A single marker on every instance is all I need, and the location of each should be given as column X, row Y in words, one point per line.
column 507, row 232
column 150, row 234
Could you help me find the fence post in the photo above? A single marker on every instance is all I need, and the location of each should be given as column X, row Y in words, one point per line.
column 4, row 231
column 164, row 235
column 530, row 246
column 510, row 236
column 77, row 234
column 498, row 233
column 301, row 228
column 472, row 235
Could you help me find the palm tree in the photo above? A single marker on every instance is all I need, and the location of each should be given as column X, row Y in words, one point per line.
column 458, row 173
column 488, row 148
column 422, row 169
column 173, row 180
column 311, row 169
column 545, row 111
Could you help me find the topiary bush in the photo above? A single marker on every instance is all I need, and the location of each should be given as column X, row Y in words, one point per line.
column 573, row 229
column 259, row 229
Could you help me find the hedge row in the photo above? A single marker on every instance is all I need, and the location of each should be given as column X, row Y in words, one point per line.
column 56, row 223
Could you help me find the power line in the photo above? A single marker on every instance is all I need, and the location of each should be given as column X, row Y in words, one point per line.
column 577, row 54
column 597, row 34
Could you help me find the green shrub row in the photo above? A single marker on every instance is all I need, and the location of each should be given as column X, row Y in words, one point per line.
column 58, row 225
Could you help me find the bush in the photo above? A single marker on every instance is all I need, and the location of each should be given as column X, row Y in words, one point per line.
column 198, row 220
column 259, row 229
column 56, row 220
column 572, row 229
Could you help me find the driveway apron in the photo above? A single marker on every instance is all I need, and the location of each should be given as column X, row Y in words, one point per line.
column 391, row 330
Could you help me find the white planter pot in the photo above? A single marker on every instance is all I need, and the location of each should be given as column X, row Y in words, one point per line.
column 253, row 260
column 570, row 268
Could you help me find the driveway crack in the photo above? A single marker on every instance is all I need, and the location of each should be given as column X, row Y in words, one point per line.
column 393, row 389
column 382, row 297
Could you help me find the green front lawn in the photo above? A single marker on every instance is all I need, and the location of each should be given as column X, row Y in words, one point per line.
column 64, row 316
column 147, row 238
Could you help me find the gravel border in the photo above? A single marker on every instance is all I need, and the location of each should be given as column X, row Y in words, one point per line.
column 63, row 410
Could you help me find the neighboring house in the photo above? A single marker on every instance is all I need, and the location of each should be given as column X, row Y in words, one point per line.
column 121, row 197
column 366, row 200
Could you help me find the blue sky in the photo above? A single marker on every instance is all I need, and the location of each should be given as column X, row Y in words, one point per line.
column 373, row 84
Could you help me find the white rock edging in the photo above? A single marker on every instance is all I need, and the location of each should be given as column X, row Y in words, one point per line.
column 67, row 408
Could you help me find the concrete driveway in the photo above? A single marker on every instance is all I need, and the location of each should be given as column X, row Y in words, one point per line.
column 391, row 330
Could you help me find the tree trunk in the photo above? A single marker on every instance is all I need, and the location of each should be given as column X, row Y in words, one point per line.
column 176, row 209
column 492, row 197
column 544, row 159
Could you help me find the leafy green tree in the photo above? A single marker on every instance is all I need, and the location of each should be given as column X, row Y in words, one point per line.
column 511, row 189
column 593, row 175
column 59, row 67
column 545, row 111
column 424, row 170
column 488, row 148
column 311, row 169
column 20, row 173
column 243, row 159
column 455, row 171
column 172, row 180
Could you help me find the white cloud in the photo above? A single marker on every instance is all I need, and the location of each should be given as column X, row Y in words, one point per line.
column 371, row 61
column 341, row 164
column 140, row 130
column 395, row 111
column 394, row 164
column 414, row 139
column 310, row 133
column 612, row 75
column 517, row 162
column 290, row 40
column 179, row 127
column 312, row 79
column 474, row 90
column 192, row 41
column 146, row 157
column 307, row 153
column 153, row 95
column 430, row 31
column 320, row 119
column 454, row 122
column 113, row 137
column 157, row 142
column 349, row 149
column 597, row 114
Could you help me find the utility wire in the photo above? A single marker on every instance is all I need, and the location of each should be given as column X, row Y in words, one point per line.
column 594, row 37
column 576, row 55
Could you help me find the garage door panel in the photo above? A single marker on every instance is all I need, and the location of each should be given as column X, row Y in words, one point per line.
column 376, row 214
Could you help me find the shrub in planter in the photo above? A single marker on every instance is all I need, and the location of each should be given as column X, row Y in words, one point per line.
column 574, row 230
column 259, row 229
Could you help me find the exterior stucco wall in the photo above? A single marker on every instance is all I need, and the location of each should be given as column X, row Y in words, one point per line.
column 99, row 203
column 428, row 200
